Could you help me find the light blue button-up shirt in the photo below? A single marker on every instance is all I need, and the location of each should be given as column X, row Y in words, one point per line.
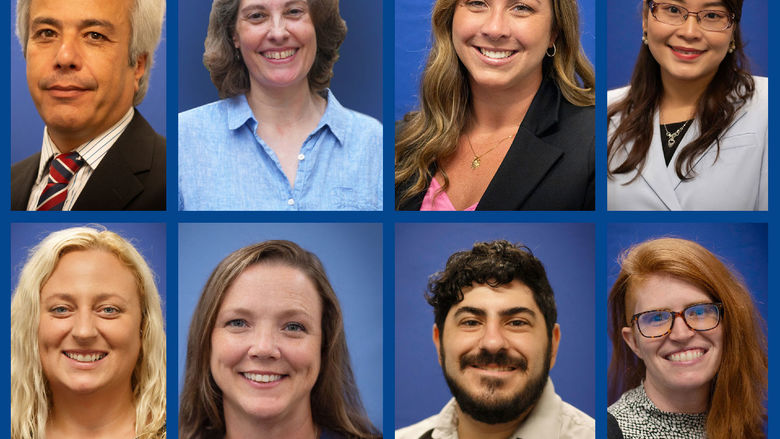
column 225, row 165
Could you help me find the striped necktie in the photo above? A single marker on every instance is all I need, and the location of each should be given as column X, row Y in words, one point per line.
column 61, row 170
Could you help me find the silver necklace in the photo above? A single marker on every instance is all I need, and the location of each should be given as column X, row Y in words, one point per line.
column 671, row 137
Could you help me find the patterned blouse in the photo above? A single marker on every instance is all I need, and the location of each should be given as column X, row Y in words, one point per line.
column 639, row 418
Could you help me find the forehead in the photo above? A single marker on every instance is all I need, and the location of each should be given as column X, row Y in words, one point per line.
column 496, row 299
column 115, row 11
column 91, row 272
column 267, row 287
column 662, row 291
column 702, row 4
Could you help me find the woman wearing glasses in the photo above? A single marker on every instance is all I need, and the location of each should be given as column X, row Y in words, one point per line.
column 690, row 131
column 689, row 355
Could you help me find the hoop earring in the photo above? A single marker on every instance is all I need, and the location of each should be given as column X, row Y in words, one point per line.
column 732, row 46
column 644, row 38
column 554, row 51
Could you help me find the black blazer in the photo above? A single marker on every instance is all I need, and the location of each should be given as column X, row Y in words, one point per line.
column 130, row 177
column 550, row 164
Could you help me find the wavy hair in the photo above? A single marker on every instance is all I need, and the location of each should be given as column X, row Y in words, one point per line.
column 30, row 392
column 729, row 90
column 739, row 391
column 432, row 132
column 335, row 400
column 146, row 20
column 228, row 71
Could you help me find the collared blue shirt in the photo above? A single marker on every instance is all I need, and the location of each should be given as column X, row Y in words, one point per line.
column 225, row 165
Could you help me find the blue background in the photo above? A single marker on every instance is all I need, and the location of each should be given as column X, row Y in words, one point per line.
column 413, row 40
column 567, row 252
column 624, row 38
column 352, row 256
column 357, row 75
column 147, row 238
column 27, row 125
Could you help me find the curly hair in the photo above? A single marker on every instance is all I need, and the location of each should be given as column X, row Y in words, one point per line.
column 30, row 392
column 736, row 406
column 228, row 71
column 492, row 263
column 335, row 400
column 728, row 91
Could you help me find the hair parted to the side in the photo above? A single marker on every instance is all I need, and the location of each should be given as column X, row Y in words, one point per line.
column 335, row 400
column 736, row 406
column 492, row 263
column 432, row 132
column 730, row 88
column 30, row 393
column 228, row 71
column 146, row 20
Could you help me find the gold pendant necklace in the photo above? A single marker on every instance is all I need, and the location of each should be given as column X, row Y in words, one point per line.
column 475, row 162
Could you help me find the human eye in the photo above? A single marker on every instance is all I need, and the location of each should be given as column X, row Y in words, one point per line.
column 518, row 323
column 294, row 327
column 236, row 323
column 95, row 36
column 522, row 9
column 296, row 11
column 59, row 310
column 45, row 34
column 469, row 323
column 256, row 16
column 672, row 9
column 110, row 310
column 475, row 4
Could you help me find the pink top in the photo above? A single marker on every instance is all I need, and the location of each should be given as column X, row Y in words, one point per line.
column 437, row 199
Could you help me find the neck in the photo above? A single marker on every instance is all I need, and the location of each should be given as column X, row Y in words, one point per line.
column 495, row 109
column 286, row 106
column 66, row 141
column 98, row 415
column 297, row 425
column 470, row 428
column 675, row 401
column 680, row 98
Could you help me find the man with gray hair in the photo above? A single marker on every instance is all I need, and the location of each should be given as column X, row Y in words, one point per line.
column 88, row 65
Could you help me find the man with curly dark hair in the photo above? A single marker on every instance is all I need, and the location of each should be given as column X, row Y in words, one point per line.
column 496, row 335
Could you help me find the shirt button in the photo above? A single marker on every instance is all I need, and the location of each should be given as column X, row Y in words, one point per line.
column 290, row 202
column 301, row 156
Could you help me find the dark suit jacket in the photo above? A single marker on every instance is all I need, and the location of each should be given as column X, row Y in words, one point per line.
column 130, row 177
column 550, row 165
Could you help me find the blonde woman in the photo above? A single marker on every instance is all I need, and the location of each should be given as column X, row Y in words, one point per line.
column 506, row 112
column 88, row 344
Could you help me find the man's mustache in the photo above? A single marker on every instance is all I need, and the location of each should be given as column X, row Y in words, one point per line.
column 500, row 359
column 58, row 80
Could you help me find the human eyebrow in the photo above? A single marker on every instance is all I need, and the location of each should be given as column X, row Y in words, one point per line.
column 93, row 22
column 517, row 310
column 45, row 21
column 470, row 310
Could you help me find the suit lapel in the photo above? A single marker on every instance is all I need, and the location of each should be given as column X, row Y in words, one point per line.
column 23, row 176
column 655, row 172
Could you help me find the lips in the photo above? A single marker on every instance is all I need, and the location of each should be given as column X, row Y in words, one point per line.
column 686, row 53
column 85, row 357
column 496, row 53
column 279, row 54
column 686, row 355
column 263, row 378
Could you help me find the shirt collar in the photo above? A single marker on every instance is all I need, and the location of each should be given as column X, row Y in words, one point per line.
column 91, row 151
column 543, row 421
column 336, row 117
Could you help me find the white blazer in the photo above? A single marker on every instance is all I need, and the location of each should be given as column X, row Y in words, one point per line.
column 737, row 180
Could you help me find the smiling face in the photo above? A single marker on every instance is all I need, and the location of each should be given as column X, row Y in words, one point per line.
column 277, row 41
column 495, row 352
column 90, row 321
column 502, row 43
column 683, row 360
column 265, row 346
column 77, row 66
column 687, row 52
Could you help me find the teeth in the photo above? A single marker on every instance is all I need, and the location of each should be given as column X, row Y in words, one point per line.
column 688, row 52
column 85, row 358
column 496, row 54
column 686, row 355
column 279, row 55
column 496, row 368
column 262, row 378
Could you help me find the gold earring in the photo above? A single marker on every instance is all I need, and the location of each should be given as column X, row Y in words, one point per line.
column 732, row 46
column 644, row 38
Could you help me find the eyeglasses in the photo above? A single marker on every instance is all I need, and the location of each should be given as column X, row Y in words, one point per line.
column 676, row 15
column 699, row 317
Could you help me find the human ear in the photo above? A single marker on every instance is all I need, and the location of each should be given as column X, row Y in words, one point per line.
column 628, row 336
column 140, row 68
column 437, row 342
column 554, row 341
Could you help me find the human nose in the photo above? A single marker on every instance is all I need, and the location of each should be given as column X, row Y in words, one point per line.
column 84, row 326
column 680, row 330
column 495, row 25
column 68, row 55
column 493, row 339
column 278, row 31
column 264, row 345
column 691, row 26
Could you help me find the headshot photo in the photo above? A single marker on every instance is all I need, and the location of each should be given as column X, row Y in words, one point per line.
column 494, row 331
column 80, row 71
column 687, row 121
column 495, row 105
column 286, row 94
column 280, row 337
column 687, row 328
column 88, row 351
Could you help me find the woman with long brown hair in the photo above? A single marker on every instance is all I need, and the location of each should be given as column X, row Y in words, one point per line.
column 689, row 350
column 506, row 112
column 690, row 131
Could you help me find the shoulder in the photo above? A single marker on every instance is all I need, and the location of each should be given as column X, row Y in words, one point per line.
column 204, row 114
column 761, row 93
column 418, row 430
column 23, row 165
column 617, row 94
column 362, row 127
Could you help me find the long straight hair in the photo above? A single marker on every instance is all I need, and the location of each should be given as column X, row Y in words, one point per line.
column 739, row 391
column 432, row 133
column 730, row 88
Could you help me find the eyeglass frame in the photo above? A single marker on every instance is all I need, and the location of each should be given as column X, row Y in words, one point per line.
column 652, row 4
column 675, row 314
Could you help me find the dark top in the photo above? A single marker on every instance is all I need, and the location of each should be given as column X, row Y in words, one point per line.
column 550, row 164
column 130, row 177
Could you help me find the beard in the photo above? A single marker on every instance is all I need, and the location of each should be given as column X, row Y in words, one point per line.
column 488, row 406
